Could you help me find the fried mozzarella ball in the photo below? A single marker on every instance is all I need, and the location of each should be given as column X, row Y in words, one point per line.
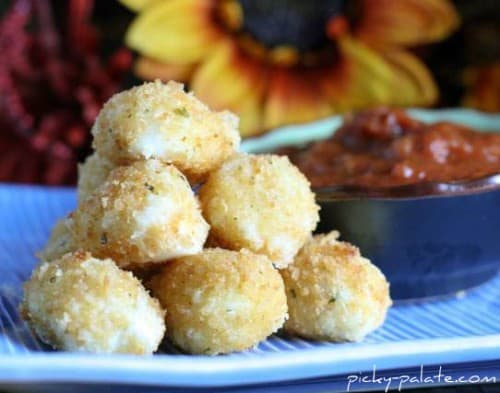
column 79, row 303
column 157, row 120
column 262, row 203
column 144, row 212
column 91, row 174
column 60, row 241
column 333, row 292
column 220, row 301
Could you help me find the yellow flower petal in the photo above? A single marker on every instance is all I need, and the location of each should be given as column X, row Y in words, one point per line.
column 386, row 77
column 369, row 78
column 150, row 69
column 414, row 85
column 175, row 31
column 230, row 79
column 137, row 5
column 406, row 22
column 250, row 112
column 294, row 97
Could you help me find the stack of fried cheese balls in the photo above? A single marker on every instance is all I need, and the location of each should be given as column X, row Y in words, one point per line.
column 145, row 257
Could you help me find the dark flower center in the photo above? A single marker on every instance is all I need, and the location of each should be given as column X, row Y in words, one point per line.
column 298, row 23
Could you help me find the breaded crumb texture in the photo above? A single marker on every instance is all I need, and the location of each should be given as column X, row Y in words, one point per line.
column 80, row 303
column 333, row 292
column 161, row 121
column 60, row 241
column 221, row 301
column 91, row 174
column 145, row 212
column 262, row 203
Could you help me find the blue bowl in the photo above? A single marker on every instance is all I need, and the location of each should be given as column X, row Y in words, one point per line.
column 429, row 239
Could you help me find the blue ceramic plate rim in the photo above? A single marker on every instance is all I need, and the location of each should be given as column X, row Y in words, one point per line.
column 178, row 370
column 301, row 134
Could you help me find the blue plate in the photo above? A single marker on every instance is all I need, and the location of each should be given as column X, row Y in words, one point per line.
column 460, row 329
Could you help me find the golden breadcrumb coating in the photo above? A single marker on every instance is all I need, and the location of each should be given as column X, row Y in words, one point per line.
column 79, row 303
column 161, row 121
column 144, row 212
column 220, row 301
column 92, row 174
column 259, row 202
column 333, row 292
column 60, row 241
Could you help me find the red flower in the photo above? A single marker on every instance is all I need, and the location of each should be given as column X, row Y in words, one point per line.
column 53, row 85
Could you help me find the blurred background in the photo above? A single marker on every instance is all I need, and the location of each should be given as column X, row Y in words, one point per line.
column 272, row 62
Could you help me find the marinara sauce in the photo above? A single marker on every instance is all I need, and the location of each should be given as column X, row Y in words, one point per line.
column 385, row 147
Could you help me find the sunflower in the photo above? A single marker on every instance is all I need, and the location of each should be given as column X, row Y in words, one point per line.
column 290, row 61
